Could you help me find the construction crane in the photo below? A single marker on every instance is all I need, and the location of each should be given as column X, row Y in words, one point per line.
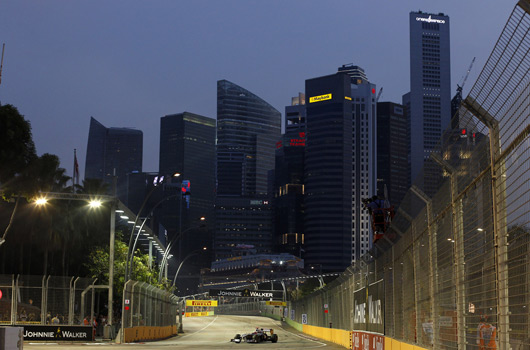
column 379, row 94
column 460, row 87
column 2, row 62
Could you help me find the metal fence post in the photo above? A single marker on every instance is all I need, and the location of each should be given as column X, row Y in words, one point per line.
column 499, row 219
column 42, row 298
column 433, row 261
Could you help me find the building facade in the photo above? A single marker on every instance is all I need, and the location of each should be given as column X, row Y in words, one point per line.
column 187, row 147
column 288, row 199
column 247, row 131
column 393, row 138
column 340, row 167
column 113, row 151
column 430, row 89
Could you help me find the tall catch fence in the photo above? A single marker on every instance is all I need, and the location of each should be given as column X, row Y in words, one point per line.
column 453, row 271
column 37, row 300
column 148, row 312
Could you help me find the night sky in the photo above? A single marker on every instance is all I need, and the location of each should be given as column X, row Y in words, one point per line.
column 127, row 63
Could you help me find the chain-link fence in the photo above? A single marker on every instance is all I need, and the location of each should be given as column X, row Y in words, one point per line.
column 453, row 270
column 41, row 300
column 145, row 305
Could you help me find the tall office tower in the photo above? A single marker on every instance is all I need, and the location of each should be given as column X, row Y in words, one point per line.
column 113, row 149
column 393, row 167
column 430, row 90
column 187, row 147
column 247, row 131
column 340, row 167
column 289, row 180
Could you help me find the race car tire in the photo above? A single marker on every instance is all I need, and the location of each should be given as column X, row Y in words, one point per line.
column 238, row 336
column 274, row 338
column 257, row 338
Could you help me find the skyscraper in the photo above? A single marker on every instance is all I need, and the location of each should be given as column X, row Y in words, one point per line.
column 393, row 168
column 247, row 131
column 430, row 87
column 187, row 147
column 340, row 167
column 113, row 149
column 289, row 180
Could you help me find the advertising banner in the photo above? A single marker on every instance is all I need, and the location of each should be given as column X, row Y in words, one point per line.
column 246, row 293
column 276, row 303
column 212, row 303
column 369, row 307
column 58, row 333
column 367, row 341
column 199, row 314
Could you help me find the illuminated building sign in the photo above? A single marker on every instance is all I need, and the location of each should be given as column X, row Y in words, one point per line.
column 279, row 144
column 320, row 98
column 430, row 20
column 300, row 141
column 347, row 98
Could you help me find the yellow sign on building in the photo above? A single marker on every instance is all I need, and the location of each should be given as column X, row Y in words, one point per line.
column 320, row 98
column 201, row 303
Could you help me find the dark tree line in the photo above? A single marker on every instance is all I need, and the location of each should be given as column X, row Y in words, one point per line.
column 55, row 238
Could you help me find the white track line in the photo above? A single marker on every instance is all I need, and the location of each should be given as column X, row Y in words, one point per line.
column 299, row 336
column 200, row 330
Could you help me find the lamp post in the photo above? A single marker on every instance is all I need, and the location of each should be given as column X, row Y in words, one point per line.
column 93, row 203
column 195, row 252
column 165, row 255
column 130, row 254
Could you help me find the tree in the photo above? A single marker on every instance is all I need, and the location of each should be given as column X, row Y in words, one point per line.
column 98, row 266
column 17, row 151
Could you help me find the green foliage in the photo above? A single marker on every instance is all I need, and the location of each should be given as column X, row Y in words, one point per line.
column 306, row 288
column 17, row 149
column 98, row 267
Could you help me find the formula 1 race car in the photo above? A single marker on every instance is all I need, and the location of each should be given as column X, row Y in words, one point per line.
column 257, row 336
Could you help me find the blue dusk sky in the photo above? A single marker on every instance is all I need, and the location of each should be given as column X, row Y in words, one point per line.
column 127, row 63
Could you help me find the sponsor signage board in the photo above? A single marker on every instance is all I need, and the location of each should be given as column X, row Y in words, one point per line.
column 246, row 293
column 368, row 308
column 304, row 318
column 58, row 333
column 199, row 314
column 367, row 341
column 320, row 98
column 201, row 303
column 276, row 303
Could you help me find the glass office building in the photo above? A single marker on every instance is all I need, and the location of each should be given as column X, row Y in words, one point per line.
column 430, row 88
column 112, row 150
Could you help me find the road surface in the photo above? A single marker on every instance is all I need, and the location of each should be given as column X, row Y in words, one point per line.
column 213, row 332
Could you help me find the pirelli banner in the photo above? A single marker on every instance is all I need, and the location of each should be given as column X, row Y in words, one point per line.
column 369, row 307
column 246, row 293
column 207, row 303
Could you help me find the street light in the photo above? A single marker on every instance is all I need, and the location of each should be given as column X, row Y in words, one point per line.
column 163, row 264
column 94, row 203
column 158, row 180
column 195, row 252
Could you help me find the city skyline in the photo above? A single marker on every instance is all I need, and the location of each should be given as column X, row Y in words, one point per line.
column 66, row 62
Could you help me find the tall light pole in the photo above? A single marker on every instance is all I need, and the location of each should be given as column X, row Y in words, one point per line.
column 163, row 264
column 156, row 183
column 195, row 252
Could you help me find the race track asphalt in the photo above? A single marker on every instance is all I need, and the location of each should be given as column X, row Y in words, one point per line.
column 212, row 332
